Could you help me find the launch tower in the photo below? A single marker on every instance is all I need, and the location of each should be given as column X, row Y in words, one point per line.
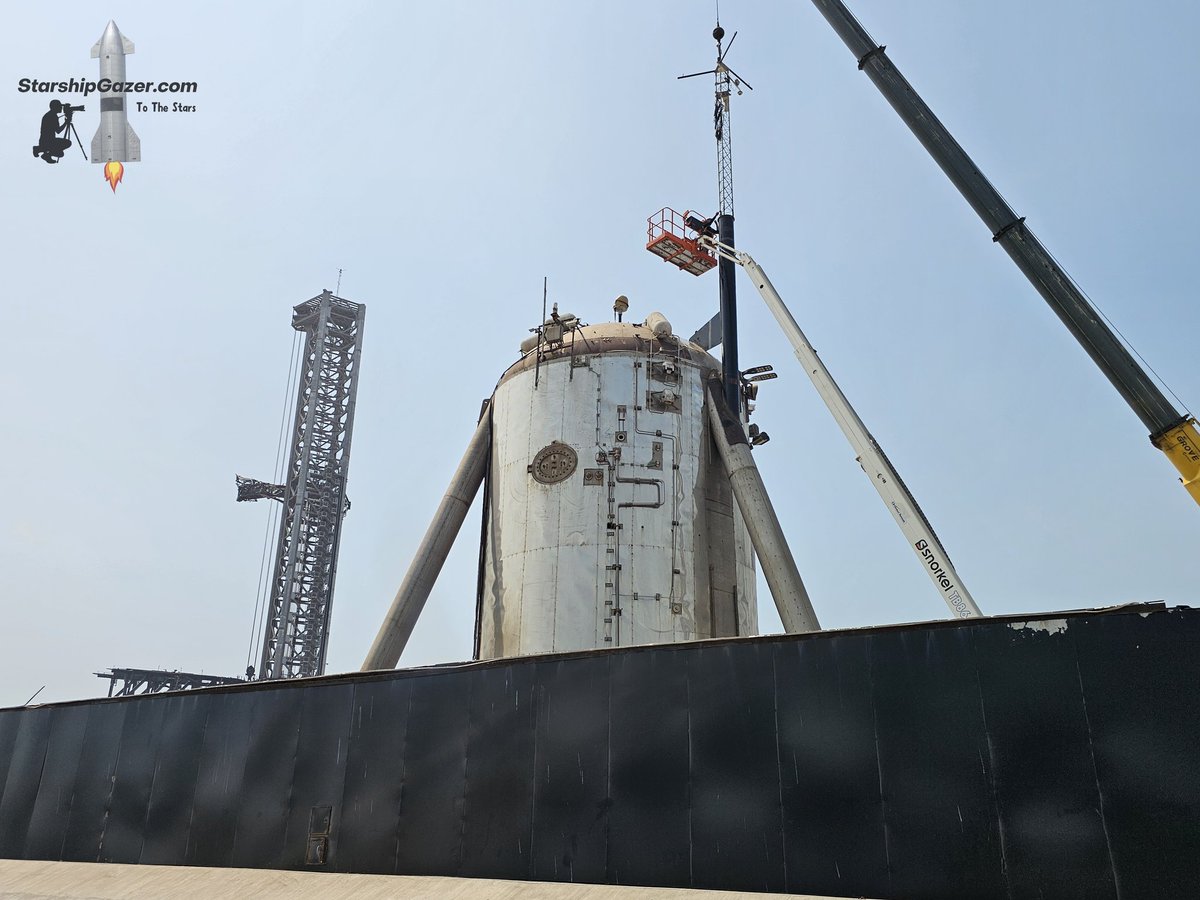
column 295, row 640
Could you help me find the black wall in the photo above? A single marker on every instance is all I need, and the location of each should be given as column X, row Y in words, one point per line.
column 979, row 759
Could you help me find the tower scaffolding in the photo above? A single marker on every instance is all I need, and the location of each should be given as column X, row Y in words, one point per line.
column 296, row 637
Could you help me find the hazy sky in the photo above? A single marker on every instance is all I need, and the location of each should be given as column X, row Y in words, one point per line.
column 447, row 156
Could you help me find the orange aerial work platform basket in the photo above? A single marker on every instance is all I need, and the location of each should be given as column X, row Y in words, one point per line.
column 670, row 237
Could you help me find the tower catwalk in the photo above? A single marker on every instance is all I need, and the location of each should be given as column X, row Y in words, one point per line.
column 296, row 638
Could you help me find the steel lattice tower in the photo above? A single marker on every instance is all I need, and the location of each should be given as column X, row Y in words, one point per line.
column 724, row 135
column 295, row 642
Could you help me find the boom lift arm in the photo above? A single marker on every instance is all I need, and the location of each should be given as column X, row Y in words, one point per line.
column 896, row 496
column 1171, row 431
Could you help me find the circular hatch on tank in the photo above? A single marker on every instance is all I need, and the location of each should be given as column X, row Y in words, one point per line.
column 553, row 463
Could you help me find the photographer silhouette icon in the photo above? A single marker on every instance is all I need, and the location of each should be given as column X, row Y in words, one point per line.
column 50, row 147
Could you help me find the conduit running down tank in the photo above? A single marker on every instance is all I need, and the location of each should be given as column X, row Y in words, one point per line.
column 431, row 555
column 778, row 565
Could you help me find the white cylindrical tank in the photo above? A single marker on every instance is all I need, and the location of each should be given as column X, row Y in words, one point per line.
column 609, row 520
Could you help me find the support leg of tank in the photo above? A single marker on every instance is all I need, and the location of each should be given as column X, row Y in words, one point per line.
column 410, row 599
column 774, row 554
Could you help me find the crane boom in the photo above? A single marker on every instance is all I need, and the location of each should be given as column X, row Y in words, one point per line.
column 896, row 496
column 1171, row 431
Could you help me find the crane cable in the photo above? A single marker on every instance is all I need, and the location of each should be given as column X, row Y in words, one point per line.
column 1113, row 325
column 263, row 592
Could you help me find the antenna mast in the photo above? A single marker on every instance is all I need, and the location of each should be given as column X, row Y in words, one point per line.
column 727, row 81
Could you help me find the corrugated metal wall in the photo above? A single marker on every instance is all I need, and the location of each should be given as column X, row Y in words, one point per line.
column 989, row 758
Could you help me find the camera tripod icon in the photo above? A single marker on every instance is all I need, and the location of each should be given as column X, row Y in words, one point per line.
column 50, row 147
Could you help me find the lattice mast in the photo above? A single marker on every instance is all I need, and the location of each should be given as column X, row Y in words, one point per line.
column 726, row 83
column 296, row 638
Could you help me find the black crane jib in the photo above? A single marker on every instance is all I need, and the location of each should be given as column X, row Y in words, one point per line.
column 1172, row 431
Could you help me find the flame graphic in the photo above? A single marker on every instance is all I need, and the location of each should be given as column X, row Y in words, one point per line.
column 113, row 173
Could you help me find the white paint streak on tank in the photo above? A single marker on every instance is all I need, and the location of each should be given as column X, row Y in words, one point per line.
column 609, row 521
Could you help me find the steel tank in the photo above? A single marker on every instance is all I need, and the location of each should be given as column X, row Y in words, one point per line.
column 608, row 519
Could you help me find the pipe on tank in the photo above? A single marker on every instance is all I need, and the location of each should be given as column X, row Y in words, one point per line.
column 431, row 555
column 778, row 565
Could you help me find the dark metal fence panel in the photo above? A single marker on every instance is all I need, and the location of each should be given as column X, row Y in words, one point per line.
column 651, row 776
column 367, row 836
column 220, row 778
column 52, row 808
column 429, row 836
column 570, row 825
column 1041, row 762
column 132, row 780
column 940, row 741
column 1141, row 681
column 173, row 791
column 10, row 724
column 22, row 779
column 736, row 816
column 498, row 825
column 268, row 778
column 835, row 842
column 91, row 795
column 314, row 805
column 991, row 758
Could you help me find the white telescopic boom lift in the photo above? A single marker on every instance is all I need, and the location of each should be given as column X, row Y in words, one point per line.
column 900, row 502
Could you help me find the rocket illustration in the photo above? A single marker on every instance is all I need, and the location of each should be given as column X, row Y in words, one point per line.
column 114, row 142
